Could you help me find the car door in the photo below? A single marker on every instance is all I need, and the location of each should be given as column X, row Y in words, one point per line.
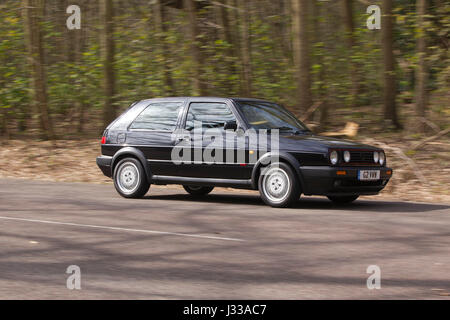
column 213, row 151
column 152, row 133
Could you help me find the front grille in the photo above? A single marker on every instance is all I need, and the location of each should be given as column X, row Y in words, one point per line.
column 361, row 157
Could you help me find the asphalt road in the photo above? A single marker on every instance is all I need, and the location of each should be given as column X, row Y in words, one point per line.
column 226, row 245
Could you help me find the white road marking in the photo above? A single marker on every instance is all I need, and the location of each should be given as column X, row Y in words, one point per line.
column 122, row 229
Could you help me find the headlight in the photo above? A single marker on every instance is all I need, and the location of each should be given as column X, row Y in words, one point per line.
column 376, row 157
column 382, row 158
column 347, row 156
column 334, row 157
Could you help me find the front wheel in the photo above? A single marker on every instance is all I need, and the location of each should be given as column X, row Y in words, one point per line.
column 130, row 179
column 342, row 199
column 198, row 190
column 278, row 185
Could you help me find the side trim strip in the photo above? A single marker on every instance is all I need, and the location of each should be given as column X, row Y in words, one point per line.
column 202, row 162
column 201, row 181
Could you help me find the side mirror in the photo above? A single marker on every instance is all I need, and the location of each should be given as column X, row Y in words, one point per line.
column 230, row 125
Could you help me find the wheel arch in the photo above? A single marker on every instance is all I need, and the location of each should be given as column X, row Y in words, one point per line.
column 282, row 157
column 133, row 153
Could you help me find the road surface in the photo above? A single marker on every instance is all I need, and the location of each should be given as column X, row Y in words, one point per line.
column 227, row 245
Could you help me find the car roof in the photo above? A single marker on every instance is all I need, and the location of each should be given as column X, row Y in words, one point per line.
column 223, row 99
column 250, row 99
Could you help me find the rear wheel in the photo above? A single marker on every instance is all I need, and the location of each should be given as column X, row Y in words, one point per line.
column 130, row 179
column 342, row 199
column 198, row 190
column 278, row 185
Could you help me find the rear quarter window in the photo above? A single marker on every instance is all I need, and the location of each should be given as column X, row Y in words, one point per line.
column 161, row 116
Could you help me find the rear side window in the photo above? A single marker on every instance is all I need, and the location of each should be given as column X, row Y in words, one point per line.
column 162, row 116
column 210, row 114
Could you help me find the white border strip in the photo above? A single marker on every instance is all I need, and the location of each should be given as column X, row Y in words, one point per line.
column 121, row 229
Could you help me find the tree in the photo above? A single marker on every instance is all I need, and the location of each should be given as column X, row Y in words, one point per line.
column 33, row 11
column 301, row 53
column 161, row 28
column 244, row 17
column 318, row 41
column 107, row 57
column 421, row 72
column 75, row 41
column 236, row 38
column 281, row 28
column 390, row 86
column 351, row 41
column 226, row 34
column 199, row 88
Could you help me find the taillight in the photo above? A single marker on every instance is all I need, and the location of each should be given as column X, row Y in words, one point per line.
column 103, row 140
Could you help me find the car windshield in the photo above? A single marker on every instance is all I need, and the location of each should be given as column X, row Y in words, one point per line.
column 267, row 115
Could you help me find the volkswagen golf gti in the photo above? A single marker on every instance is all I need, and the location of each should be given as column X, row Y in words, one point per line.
column 205, row 142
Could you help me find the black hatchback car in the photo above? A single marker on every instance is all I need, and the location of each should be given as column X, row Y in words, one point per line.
column 204, row 142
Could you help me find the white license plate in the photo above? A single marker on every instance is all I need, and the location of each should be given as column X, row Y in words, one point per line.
column 365, row 175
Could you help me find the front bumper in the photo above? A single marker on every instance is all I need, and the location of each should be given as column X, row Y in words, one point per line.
column 104, row 163
column 325, row 180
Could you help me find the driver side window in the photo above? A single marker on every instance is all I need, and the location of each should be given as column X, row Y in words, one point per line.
column 209, row 115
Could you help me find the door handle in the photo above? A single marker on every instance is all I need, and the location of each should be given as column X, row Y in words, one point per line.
column 184, row 139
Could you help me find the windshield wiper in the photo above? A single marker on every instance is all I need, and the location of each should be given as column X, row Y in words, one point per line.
column 290, row 129
column 282, row 128
column 302, row 131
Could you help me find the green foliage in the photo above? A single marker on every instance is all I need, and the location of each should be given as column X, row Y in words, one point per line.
column 144, row 56
column 14, row 81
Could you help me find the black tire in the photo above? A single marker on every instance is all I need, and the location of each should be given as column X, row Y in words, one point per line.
column 124, row 172
column 198, row 190
column 342, row 199
column 288, row 185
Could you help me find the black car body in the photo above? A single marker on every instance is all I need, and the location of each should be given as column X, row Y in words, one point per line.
column 150, row 129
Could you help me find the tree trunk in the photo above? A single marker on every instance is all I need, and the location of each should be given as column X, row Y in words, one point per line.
column 226, row 34
column 33, row 12
column 70, row 36
column 4, row 130
column 107, row 56
column 244, row 17
column 319, row 36
column 351, row 41
column 421, row 72
column 74, row 45
column 301, row 53
column 161, row 28
column 390, row 86
column 281, row 29
column 236, row 40
column 82, row 39
column 199, row 88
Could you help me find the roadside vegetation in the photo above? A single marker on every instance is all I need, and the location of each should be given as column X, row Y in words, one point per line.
column 59, row 88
